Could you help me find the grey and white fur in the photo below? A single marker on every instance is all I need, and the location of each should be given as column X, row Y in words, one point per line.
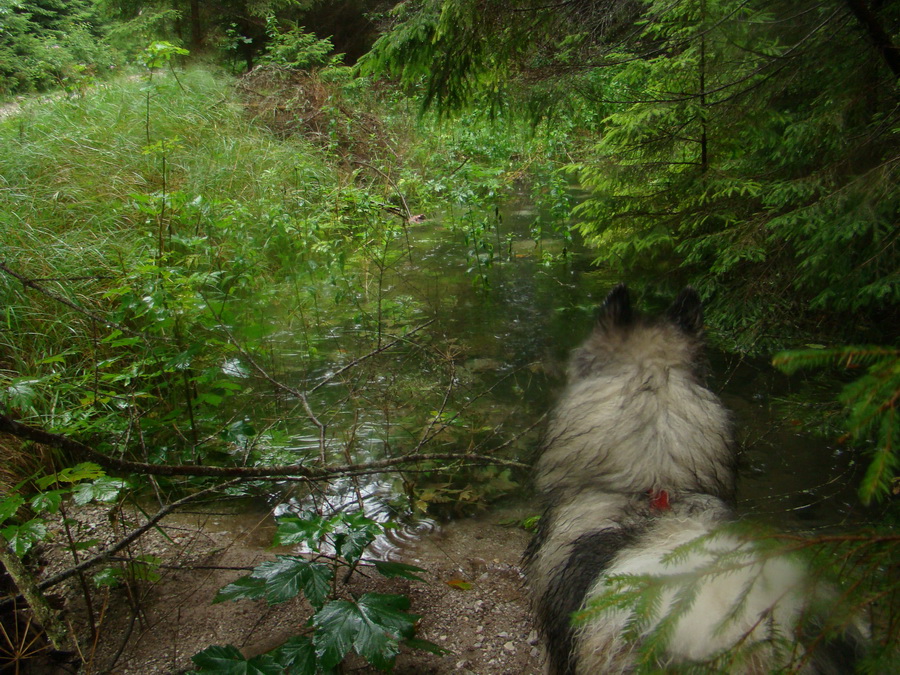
column 639, row 461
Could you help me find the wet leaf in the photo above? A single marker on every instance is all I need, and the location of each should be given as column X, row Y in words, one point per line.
column 104, row 489
column 397, row 569
column 9, row 506
column 22, row 537
column 297, row 655
column 294, row 530
column 351, row 545
column 45, row 501
column 372, row 626
column 286, row 576
column 244, row 588
column 228, row 660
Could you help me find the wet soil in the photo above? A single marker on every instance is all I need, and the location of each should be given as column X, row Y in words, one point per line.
column 474, row 603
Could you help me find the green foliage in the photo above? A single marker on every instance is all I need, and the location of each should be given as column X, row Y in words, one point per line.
column 51, row 44
column 871, row 402
column 142, row 568
column 746, row 147
column 85, row 483
column 161, row 53
column 295, row 48
column 228, row 660
column 373, row 625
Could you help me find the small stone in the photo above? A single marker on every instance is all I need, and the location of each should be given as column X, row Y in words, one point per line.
column 478, row 644
column 535, row 652
column 479, row 630
column 509, row 647
column 502, row 635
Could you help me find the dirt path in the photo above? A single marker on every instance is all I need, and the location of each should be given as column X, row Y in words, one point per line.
column 483, row 622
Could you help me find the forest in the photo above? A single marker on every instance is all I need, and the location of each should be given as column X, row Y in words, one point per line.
column 321, row 264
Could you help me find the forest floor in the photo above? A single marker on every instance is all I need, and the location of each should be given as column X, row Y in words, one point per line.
column 155, row 627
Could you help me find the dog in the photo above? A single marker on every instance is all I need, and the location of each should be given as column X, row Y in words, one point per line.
column 633, row 564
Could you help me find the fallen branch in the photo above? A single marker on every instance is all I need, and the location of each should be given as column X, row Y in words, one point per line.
column 132, row 536
column 109, row 552
column 82, row 452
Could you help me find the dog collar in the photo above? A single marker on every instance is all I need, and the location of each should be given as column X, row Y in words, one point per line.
column 659, row 500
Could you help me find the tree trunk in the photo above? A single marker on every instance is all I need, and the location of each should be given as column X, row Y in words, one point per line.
column 881, row 40
column 196, row 32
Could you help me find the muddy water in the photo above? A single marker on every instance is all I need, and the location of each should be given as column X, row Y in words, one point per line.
column 515, row 309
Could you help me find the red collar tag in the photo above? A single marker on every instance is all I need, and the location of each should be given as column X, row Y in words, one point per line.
column 659, row 501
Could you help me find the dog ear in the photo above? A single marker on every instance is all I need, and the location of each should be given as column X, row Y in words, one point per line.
column 687, row 312
column 616, row 309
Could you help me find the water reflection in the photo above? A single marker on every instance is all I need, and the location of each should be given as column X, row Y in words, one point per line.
column 510, row 326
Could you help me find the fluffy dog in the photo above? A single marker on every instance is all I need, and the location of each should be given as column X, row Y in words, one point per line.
column 638, row 475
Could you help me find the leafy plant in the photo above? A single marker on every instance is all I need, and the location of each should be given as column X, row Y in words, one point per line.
column 747, row 147
column 296, row 48
column 85, row 483
column 373, row 625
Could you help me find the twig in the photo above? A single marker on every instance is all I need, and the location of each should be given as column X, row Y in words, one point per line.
column 402, row 199
column 105, row 555
column 355, row 362
column 86, row 453
column 30, row 283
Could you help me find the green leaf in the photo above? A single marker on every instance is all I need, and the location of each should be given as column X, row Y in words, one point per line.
column 287, row 575
column 373, row 626
column 310, row 531
column 397, row 569
column 243, row 588
column 22, row 537
column 145, row 568
column 297, row 655
column 356, row 532
column 109, row 577
column 46, row 501
column 9, row 506
column 74, row 474
column 20, row 393
column 228, row 660
column 104, row 489
column 351, row 545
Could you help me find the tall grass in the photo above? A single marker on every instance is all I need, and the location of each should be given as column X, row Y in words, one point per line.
column 159, row 222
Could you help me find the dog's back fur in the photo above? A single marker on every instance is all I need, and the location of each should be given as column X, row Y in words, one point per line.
column 638, row 462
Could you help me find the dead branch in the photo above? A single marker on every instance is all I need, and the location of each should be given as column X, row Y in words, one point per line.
column 82, row 452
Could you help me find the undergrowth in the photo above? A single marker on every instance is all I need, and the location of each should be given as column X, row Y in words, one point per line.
column 183, row 273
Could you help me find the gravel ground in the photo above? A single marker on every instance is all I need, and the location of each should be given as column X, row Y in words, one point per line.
column 474, row 603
